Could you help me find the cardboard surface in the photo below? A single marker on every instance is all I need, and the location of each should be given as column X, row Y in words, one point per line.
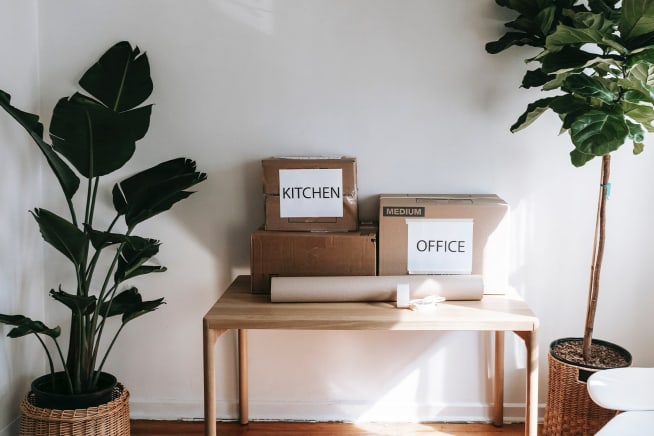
column 305, row 254
column 347, row 223
column 489, row 214
column 276, row 220
column 272, row 165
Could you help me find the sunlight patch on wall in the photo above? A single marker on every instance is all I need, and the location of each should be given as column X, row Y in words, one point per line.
column 405, row 400
column 257, row 14
column 399, row 402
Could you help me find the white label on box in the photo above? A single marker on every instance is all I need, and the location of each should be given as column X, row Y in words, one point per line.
column 439, row 246
column 311, row 193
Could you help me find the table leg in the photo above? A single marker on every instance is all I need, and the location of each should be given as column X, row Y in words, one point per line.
column 498, row 380
column 209, row 338
column 243, row 375
column 531, row 415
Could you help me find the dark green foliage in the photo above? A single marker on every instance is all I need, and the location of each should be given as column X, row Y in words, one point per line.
column 597, row 58
column 96, row 135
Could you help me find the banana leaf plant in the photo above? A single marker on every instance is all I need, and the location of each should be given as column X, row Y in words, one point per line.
column 92, row 136
column 595, row 61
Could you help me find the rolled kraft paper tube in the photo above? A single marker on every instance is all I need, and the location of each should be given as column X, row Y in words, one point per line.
column 373, row 288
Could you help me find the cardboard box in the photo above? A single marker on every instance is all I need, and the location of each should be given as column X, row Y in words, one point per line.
column 445, row 234
column 310, row 194
column 301, row 254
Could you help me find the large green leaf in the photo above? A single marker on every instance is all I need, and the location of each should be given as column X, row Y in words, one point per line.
column 569, row 104
column 605, row 7
column 141, row 309
column 80, row 304
column 121, row 303
column 579, row 159
column 138, row 121
column 155, row 190
column 510, row 39
column 96, row 140
column 26, row 326
column 100, row 239
column 587, row 86
column 636, row 132
column 120, row 79
column 642, row 73
column 62, row 235
column 67, row 179
column 129, row 304
column 645, row 55
column 533, row 111
column 598, row 133
column 524, row 7
column 642, row 114
column 568, row 58
column 637, row 18
column 134, row 254
column 534, row 78
column 565, row 36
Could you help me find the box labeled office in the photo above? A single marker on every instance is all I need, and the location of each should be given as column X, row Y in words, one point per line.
column 310, row 194
column 444, row 234
column 302, row 254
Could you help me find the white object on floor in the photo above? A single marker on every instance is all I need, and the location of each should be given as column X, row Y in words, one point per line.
column 630, row 390
column 634, row 423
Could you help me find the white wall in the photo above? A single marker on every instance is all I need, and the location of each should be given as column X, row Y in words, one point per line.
column 407, row 88
column 21, row 262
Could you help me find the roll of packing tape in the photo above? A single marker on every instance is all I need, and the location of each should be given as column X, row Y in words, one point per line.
column 374, row 288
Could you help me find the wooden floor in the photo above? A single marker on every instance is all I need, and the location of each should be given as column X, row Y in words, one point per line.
column 183, row 428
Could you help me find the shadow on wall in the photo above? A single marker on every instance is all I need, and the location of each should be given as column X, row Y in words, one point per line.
column 222, row 215
column 413, row 385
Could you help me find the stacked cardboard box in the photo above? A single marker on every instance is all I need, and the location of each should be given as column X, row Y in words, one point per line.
column 445, row 234
column 312, row 225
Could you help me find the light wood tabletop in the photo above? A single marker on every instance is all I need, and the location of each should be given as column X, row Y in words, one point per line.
column 239, row 309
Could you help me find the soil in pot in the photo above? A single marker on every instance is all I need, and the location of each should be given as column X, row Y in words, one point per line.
column 44, row 396
column 604, row 355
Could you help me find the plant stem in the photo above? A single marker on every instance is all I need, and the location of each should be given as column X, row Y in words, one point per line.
column 101, row 298
column 96, row 376
column 100, row 327
column 598, row 255
column 61, row 356
column 47, row 352
column 96, row 256
column 73, row 216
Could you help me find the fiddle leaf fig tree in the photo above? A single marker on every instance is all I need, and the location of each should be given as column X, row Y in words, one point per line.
column 93, row 135
column 595, row 63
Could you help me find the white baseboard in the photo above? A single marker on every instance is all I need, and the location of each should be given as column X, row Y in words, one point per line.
column 331, row 411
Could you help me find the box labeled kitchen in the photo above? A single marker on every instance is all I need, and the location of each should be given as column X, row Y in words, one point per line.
column 302, row 254
column 444, row 234
column 310, row 194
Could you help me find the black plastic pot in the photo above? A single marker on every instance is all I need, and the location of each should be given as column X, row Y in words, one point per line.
column 586, row 370
column 43, row 396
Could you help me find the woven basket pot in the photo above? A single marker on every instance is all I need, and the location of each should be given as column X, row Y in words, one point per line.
column 569, row 409
column 109, row 419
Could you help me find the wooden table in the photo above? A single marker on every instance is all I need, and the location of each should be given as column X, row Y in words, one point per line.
column 239, row 309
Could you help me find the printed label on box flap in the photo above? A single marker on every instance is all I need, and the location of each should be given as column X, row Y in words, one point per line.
column 439, row 246
column 311, row 193
column 403, row 211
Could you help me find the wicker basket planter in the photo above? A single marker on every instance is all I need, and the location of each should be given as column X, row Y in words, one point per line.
column 109, row 419
column 569, row 409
